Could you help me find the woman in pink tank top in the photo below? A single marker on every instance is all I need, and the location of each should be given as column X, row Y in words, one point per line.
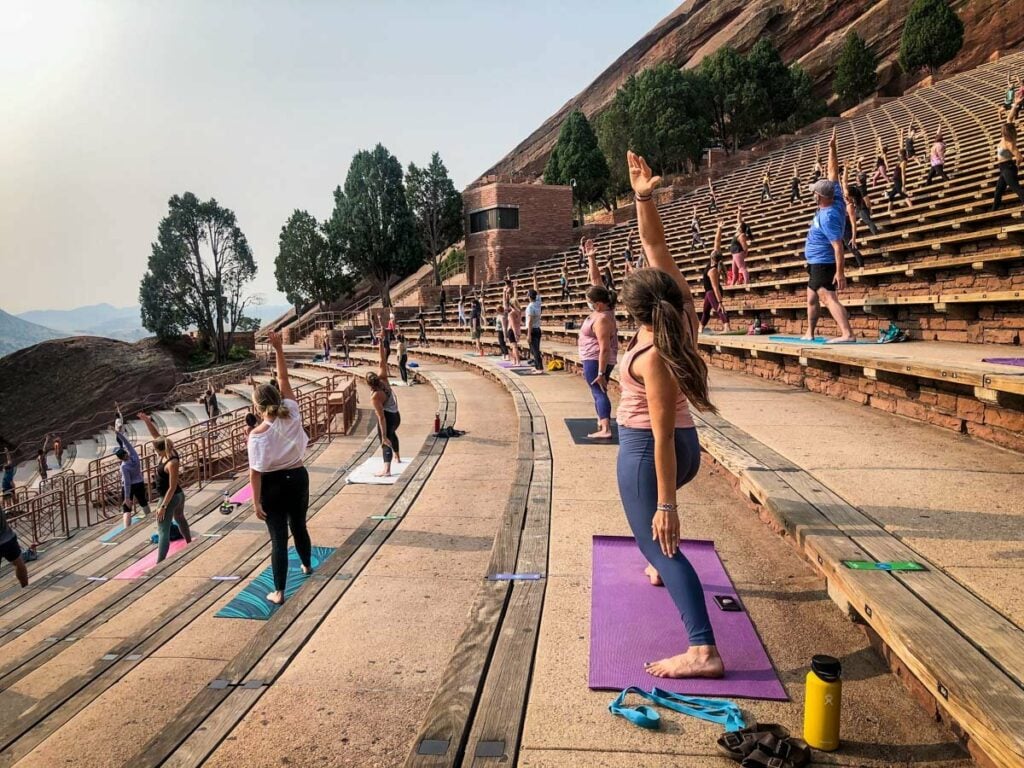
column 599, row 345
column 661, row 373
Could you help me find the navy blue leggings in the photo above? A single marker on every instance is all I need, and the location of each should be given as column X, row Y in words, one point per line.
column 601, row 401
column 638, row 487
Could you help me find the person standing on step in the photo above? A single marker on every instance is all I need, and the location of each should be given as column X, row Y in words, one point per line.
column 403, row 358
column 823, row 251
column 327, row 345
column 607, row 278
column 766, row 184
column 533, row 324
column 714, row 299
column 514, row 329
column 881, row 164
column 500, row 323
column 598, row 343
column 862, row 177
column 168, row 487
column 659, row 452
column 816, row 170
column 898, row 191
column 385, row 407
column 580, row 258
column 10, row 549
column 345, row 347
column 7, row 483
column 211, row 405
column 907, row 140
column 462, row 309
column 712, row 198
column 132, row 481
column 58, row 451
column 421, row 322
column 738, row 248
column 563, row 278
column 638, row 253
column 42, row 465
column 937, row 160
column 696, row 241
column 794, row 186
column 442, row 299
column 279, row 480
column 1008, row 164
column 476, row 324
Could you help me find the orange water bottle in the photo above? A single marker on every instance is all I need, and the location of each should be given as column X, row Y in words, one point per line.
column 822, row 699
column 437, row 423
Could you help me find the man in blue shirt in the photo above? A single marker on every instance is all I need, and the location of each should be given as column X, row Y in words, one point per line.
column 824, row 252
column 132, row 481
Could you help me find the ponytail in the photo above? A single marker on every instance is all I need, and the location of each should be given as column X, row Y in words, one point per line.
column 267, row 399
column 653, row 298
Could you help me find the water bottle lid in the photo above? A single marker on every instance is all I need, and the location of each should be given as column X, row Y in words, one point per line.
column 827, row 668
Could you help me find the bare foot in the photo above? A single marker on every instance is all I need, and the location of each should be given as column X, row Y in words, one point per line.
column 654, row 576
column 841, row 340
column 698, row 661
column 386, row 472
column 806, row 337
column 277, row 598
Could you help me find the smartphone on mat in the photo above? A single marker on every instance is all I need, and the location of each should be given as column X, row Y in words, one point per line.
column 728, row 603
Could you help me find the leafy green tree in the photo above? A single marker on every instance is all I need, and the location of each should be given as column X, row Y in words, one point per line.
column 806, row 106
column 767, row 93
column 577, row 157
column 198, row 271
column 612, row 128
column 372, row 228
column 933, row 34
column 667, row 111
column 856, row 76
column 437, row 207
column 305, row 268
column 725, row 74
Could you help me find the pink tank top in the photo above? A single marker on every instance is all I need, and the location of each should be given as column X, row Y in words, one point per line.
column 589, row 346
column 633, row 410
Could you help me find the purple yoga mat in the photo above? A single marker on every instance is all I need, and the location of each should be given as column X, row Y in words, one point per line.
column 1004, row 360
column 632, row 622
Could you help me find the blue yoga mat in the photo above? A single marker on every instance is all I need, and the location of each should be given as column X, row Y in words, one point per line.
column 251, row 602
column 798, row 340
column 118, row 529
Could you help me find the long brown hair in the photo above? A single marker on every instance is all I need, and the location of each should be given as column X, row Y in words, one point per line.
column 654, row 299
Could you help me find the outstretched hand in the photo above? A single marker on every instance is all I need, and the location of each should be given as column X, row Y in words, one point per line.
column 589, row 249
column 275, row 339
column 641, row 178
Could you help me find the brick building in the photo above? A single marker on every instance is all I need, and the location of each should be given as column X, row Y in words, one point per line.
column 514, row 225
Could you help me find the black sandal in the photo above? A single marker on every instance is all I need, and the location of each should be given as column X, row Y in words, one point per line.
column 736, row 745
column 773, row 752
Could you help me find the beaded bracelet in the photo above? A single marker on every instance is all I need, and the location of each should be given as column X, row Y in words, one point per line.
column 668, row 507
column 642, row 198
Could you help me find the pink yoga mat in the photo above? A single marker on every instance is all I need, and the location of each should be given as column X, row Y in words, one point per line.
column 242, row 496
column 632, row 622
column 148, row 563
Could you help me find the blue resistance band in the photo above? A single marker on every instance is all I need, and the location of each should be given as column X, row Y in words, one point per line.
column 721, row 711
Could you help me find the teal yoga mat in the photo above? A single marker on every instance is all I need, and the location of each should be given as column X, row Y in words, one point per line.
column 799, row 340
column 251, row 602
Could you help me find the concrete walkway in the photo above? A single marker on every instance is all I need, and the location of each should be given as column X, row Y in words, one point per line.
column 569, row 725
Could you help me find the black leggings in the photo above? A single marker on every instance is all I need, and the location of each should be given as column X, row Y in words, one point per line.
column 864, row 214
column 284, row 495
column 1008, row 179
column 501, row 341
column 538, row 362
column 936, row 170
column 794, row 191
column 403, row 370
column 392, row 421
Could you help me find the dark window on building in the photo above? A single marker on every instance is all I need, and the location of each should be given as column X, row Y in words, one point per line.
column 493, row 218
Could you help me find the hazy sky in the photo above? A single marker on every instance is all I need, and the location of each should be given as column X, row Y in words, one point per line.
column 112, row 106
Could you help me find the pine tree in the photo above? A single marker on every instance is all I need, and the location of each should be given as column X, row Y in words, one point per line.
column 856, row 75
column 577, row 157
column 932, row 35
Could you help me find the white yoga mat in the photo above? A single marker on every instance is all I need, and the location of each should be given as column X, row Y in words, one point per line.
column 365, row 473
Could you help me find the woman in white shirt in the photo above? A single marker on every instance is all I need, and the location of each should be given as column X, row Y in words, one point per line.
column 280, row 483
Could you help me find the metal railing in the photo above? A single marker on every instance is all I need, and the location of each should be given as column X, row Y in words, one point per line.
column 210, row 450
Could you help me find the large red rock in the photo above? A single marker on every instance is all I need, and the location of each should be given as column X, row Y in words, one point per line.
column 810, row 32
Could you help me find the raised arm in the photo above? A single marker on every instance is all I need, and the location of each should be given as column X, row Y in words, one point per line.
column 277, row 342
column 833, row 156
column 382, row 368
column 718, row 236
column 652, row 232
column 535, row 287
column 146, row 419
column 593, row 271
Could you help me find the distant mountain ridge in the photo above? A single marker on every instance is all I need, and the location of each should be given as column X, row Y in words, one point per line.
column 16, row 333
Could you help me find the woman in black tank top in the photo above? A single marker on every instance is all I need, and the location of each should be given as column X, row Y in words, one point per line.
column 168, row 489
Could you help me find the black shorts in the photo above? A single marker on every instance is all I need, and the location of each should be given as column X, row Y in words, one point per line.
column 511, row 337
column 138, row 492
column 10, row 550
column 821, row 276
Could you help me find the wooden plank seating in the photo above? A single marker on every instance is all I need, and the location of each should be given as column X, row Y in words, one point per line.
column 475, row 716
column 211, row 715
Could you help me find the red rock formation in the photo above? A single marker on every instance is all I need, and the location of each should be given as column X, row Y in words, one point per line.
column 810, row 32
